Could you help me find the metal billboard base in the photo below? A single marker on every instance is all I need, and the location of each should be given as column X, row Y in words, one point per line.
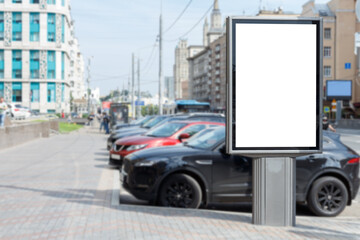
column 274, row 191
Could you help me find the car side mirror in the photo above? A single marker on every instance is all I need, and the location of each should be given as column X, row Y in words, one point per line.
column 183, row 136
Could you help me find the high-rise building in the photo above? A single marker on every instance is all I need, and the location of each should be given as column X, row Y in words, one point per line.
column 339, row 28
column 36, row 44
column 183, row 86
column 207, row 64
column 169, row 88
column 181, row 70
column 216, row 26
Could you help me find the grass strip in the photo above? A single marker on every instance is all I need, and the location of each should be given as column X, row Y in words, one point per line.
column 68, row 127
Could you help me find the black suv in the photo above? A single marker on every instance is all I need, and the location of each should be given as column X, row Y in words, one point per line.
column 199, row 171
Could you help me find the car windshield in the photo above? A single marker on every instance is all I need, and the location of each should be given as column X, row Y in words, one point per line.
column 138, row 121
column 165, row 130
column 153, row 122
column 207, row 140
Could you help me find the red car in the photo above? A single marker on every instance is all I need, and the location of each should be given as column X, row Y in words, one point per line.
column 170, row 133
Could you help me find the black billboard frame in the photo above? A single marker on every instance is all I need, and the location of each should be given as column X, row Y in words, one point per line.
column 231, row 86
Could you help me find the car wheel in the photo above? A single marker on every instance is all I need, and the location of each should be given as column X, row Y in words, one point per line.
column 327, row 197
column 180, row 190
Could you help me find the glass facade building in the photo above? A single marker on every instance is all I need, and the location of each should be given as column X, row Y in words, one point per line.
column 36, row 45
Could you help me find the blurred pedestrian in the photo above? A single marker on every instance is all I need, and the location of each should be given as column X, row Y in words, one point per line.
column 91, row 118
column 69, row 120
column 101, row 120
column 3, row 108
column 327, row 125
column 106, row 121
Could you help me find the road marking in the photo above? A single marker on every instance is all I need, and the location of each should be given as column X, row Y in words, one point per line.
column 115, row 198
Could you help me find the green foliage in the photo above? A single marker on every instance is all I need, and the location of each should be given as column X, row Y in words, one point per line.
column 71, row 102
column 68, row 127
column 149, row 110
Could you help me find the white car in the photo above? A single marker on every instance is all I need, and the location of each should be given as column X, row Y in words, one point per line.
column 17, row 111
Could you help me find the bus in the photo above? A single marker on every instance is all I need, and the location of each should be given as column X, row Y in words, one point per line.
column 186, row 106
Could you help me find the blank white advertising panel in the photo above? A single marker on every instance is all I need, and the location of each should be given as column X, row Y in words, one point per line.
column 275, row 83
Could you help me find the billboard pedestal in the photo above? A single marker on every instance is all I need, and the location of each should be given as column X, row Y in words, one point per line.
column 274, row 191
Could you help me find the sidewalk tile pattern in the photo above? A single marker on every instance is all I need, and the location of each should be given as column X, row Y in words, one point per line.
column 61, row 188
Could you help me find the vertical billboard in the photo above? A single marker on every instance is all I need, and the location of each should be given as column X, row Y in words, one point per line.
column 274, row 82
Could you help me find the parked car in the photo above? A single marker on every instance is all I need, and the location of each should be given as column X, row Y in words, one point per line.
column 74, row 115
column 140, row 122
column 17, row 111
column 134, row 130
column 199, row 171
column 170, row 133
column 210, row 117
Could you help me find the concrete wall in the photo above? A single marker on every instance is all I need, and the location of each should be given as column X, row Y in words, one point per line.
column 349, row 123
column 17, row 134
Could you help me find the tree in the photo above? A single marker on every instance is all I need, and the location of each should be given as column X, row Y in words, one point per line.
column 71, row 102
column 149, row 110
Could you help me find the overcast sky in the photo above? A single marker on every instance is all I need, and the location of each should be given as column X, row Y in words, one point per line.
column 111, row 30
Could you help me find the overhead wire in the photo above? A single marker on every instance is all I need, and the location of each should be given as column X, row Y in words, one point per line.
column 149, row 58
column 177, row 19
column 194, row 26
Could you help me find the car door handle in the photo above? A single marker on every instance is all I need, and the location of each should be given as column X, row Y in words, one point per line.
column 312, row 158
column 204, row 162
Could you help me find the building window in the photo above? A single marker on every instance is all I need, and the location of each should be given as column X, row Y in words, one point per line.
column 1, row 89
column 62, row 28
column 51, row 96
column 34, row 27
column 327, row 71
column 63, row 3
column 1, row 1
column 16, row 26
column 52, row 2
column 1, row 26
column 217, row 48
column 327, row 33
column 34, row 1
column 35, row 92
column 16, row 1
column 34, row 64
column 51, row 27
column 62, row 92
column 16, row 92
column 63, row 65
column 2, row 64
column 16, row 64
column 327, row 51
column 51, row 64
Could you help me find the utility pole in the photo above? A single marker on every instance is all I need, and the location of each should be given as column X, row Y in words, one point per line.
column 123, row 93
column 132, row 88
column 160, row 65
column 88, row 82
column 138, row 114
column 128, row 90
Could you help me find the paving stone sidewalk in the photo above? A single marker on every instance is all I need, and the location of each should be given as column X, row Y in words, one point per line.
column 62, row 188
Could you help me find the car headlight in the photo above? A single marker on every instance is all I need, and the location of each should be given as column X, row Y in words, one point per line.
column 136, row 147
column 149, row 162
column 145, row 164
